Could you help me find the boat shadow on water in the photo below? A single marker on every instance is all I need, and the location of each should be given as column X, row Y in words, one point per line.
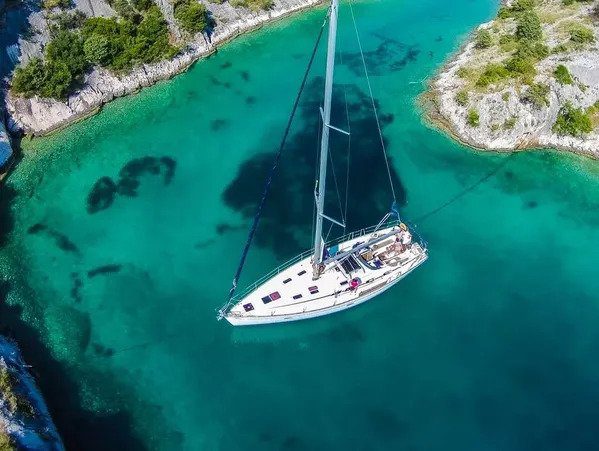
column 286, row 219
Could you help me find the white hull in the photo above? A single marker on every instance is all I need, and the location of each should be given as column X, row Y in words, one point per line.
column 333, row 294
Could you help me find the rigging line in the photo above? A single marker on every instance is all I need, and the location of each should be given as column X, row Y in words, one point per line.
column 272, row 172
column 336, row 185
column 376, row 115
column 465, row 191
column 348, row 146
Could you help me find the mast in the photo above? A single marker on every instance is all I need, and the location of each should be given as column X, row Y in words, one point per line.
column 324, row 143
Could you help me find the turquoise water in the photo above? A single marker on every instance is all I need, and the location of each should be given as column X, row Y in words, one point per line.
column 492, row 344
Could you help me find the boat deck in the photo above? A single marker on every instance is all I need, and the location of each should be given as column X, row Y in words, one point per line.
column 292, row 293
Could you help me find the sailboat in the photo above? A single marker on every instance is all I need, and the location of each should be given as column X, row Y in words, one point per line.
column 336, row 275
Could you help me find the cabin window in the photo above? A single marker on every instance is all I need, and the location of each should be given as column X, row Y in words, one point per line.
column 274, row 296
column 301, row 273
column 313, row 290
column 266, row 299
column 297, row 296
column 287, row 280
column 248, row 307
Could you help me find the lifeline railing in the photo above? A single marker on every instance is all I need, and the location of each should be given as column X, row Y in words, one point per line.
column 333, row 242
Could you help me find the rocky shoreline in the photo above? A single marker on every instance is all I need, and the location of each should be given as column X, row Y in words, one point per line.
column 25, row 422
column 529, row 126
column 39, row 116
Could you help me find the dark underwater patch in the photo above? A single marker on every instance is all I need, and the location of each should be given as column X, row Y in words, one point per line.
column 245, row 75
column 36, row 228
column 102, row 351
column 101, row 195
column 103, row 270
column 531, row 204
column 346, row 333
column 226, row 65
column 204, row 244
column 218, row 124
column 223, row 228
column 286, row 222
column 62, row 241
column 105, row 190
column 390, row 55
column 250, row 100
column 76, row 286
column 7, row 222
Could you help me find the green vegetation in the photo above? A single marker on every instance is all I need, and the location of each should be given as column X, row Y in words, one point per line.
column 462, row 98
column 510, row 123
column 562, row 75
column 492, row 74
column 483, row 39
column 536, row 94
column 65, row 21
column 118, row 44
column 254, row 5
column 529, row 26
column 7, row 391
column 473, row 118
column 6, row 442
column 51, row 4
column 581, row 35
column 505, row 96
column 572, row 121
column 191, row 15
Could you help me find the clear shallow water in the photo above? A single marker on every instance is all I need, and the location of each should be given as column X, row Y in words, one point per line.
column 490, row 345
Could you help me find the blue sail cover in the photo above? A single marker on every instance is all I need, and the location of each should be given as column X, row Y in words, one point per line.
column 5, row 148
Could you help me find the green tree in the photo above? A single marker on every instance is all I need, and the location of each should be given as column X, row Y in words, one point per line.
column 529, row 26
column 28, row 80
column 97, row 49
column 483, row 39
column 67, row 47
column 58, row 80
column 572, row 121
column 536, row 95
column 191, row 16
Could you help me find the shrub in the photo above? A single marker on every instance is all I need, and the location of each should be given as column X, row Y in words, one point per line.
column 529, row 26
column 510, row 123
column 65, row 21
column 67, row 48
column 254, row 5
column 483, row 39
column 191, row 16
column 532, row 49
column 51, row 4
column 572, row 121
column 521, row 66
column 473, row 118
column 461, row 98
column 97, row 49
column 537, row 95
column 580, row 35
column 493, row 73
column 562, row 75
column 505, row 96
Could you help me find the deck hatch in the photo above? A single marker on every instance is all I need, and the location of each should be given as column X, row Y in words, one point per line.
column 248, row 307
column 313, row 290
column 266, row 299
column 274, row 296
column 297, row 296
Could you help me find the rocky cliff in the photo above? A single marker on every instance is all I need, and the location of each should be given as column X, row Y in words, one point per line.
column 501, row 112
column 39, row 116
column 24, row 419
